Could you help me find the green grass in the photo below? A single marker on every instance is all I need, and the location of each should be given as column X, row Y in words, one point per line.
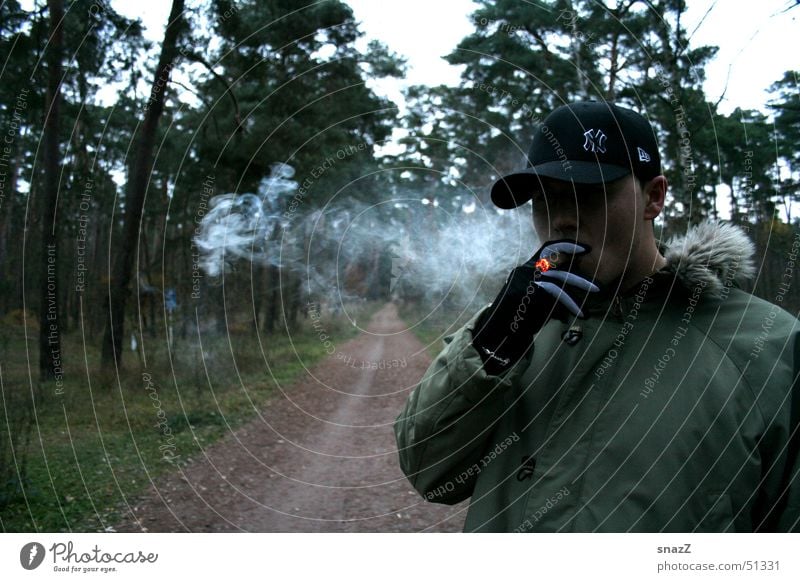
column 100, row 443
column 432, row 324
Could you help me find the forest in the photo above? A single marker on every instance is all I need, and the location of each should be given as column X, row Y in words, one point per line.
column 194, row 222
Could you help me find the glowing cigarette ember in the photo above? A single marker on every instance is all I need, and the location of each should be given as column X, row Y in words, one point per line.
column 543, row 265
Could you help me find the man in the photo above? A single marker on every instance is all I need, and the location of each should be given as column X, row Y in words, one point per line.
column 613, row 385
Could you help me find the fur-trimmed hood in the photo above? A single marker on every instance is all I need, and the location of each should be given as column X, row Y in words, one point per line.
column 712, row 255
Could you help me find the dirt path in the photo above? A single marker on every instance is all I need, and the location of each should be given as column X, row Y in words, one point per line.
column 322, row 458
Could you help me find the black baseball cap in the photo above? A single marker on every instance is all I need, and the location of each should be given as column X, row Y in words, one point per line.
column 588, row 142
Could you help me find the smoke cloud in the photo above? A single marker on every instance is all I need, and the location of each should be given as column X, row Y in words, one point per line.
column 409, row 247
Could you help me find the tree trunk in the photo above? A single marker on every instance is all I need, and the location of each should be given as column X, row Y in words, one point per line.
column 49, row 324
column 273, row 298
column 9, row 286
column 295, row 289
column 137, row 190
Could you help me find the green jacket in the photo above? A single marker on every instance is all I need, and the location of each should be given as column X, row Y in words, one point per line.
column 666, row 409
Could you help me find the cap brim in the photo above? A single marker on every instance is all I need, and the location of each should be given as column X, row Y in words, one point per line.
column 516, row 189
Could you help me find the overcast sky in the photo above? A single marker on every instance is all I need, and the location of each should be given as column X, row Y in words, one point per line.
column 757, row 40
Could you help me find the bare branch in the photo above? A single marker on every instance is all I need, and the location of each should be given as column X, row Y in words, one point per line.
column 702, row 20
column 194, row 57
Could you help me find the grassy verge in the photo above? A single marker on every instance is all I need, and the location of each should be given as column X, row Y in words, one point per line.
column 99, row 442
column 432, row 324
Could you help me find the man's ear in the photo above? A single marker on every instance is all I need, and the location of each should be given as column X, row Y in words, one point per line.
column 655, row 193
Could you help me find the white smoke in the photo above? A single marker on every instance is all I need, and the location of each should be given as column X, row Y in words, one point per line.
column 445, row 249
column 245, row 226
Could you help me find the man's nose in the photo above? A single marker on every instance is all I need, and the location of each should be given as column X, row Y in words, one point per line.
column 564, row 218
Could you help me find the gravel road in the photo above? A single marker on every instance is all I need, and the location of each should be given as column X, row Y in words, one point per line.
column 321, row 457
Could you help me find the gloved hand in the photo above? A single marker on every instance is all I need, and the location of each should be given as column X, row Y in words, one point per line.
column 533, row 293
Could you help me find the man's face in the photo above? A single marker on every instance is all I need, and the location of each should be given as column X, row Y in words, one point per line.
column 607, row 217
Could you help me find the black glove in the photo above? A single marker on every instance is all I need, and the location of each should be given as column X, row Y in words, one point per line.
column 533, row 293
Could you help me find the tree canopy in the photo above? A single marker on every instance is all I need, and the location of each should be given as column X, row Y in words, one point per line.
column 253, row 84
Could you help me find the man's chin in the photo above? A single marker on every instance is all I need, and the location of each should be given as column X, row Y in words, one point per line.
column 584, row 266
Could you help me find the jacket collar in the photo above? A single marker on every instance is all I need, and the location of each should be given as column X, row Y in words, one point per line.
column 711, row 256
column 704, row 261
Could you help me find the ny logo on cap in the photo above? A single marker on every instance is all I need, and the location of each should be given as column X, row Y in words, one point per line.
column 595, row 141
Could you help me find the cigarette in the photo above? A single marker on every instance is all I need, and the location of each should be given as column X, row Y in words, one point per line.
column 544, row 265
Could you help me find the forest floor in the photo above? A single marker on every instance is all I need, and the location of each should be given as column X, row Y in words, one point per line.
column 321, row 456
